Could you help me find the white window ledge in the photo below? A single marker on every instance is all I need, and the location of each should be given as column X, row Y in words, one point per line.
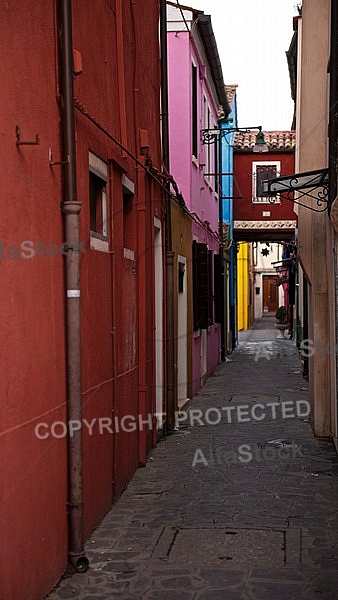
column 99, row 245
column 129, row 254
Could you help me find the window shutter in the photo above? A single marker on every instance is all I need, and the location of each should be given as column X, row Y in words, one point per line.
column 195, row 283
column 217, row 287
column 292, row 284
column 203, row 286
column 210, row 289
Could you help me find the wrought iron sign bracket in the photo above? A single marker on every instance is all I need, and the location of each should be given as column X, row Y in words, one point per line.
column 305, row 184
column 210, row 136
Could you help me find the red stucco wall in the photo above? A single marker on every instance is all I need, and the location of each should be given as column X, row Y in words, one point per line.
column 117, row 296
column 33, row 472
column 244, row 208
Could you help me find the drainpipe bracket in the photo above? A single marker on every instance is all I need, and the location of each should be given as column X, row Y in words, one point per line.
column 71, row 207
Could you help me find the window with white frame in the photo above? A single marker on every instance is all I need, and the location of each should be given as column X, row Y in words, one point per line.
column 209, row 149
column 206, row 125
column 216, row 166
column 98, row 175
column 194, row 111
column 262, row 171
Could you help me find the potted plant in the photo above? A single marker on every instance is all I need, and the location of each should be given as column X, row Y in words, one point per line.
column 282, row 319
column 281, row 314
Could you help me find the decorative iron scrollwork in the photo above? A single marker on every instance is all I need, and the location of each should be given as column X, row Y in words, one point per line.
column 314, row 184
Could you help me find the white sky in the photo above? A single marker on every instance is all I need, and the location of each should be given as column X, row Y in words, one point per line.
column 252, row 37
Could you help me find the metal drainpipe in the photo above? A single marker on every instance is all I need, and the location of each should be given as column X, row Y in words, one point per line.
column 170, row 359
column 333, row 158
column 71, row 208
column 221, row 246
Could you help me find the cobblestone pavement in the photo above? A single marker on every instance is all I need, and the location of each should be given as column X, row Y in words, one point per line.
column 227, row 529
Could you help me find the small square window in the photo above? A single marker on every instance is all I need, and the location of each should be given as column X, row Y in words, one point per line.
column 98, row 202
column 128, row 190
column 98, row 206
column 262, row 171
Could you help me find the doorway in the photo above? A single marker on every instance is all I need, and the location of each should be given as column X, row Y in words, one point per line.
column 270, row 294
column 159, row 322
column 182, row 333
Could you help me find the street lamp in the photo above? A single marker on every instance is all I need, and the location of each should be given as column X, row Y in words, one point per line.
column 210, row 136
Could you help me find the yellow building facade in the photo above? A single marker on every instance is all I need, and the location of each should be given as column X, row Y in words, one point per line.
column 243, row 286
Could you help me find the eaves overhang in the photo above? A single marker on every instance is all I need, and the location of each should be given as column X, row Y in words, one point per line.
column 209, row 41
column 291, row 56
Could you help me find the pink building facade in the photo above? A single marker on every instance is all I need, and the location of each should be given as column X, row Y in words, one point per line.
column 196, row 99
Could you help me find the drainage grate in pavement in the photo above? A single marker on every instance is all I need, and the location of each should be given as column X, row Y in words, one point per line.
column 247, row 398
column 240, row 547
column 145, row 495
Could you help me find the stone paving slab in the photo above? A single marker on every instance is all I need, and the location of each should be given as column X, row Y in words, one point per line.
column 199, row 524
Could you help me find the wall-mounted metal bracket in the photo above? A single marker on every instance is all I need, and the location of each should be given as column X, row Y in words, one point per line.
column 210, row 136
column 311, row 181
column 56, row 162
column 19, row 142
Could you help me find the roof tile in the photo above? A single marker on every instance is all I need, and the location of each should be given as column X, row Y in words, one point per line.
column 230, row 91
column 275, row 140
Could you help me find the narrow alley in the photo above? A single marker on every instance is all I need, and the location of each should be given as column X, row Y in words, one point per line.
column 239, row 503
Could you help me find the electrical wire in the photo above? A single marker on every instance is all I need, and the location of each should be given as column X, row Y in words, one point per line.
column 149, row 168
column 182, row 14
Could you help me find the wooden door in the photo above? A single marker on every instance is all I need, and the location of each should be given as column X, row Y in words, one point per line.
column 270, row 294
